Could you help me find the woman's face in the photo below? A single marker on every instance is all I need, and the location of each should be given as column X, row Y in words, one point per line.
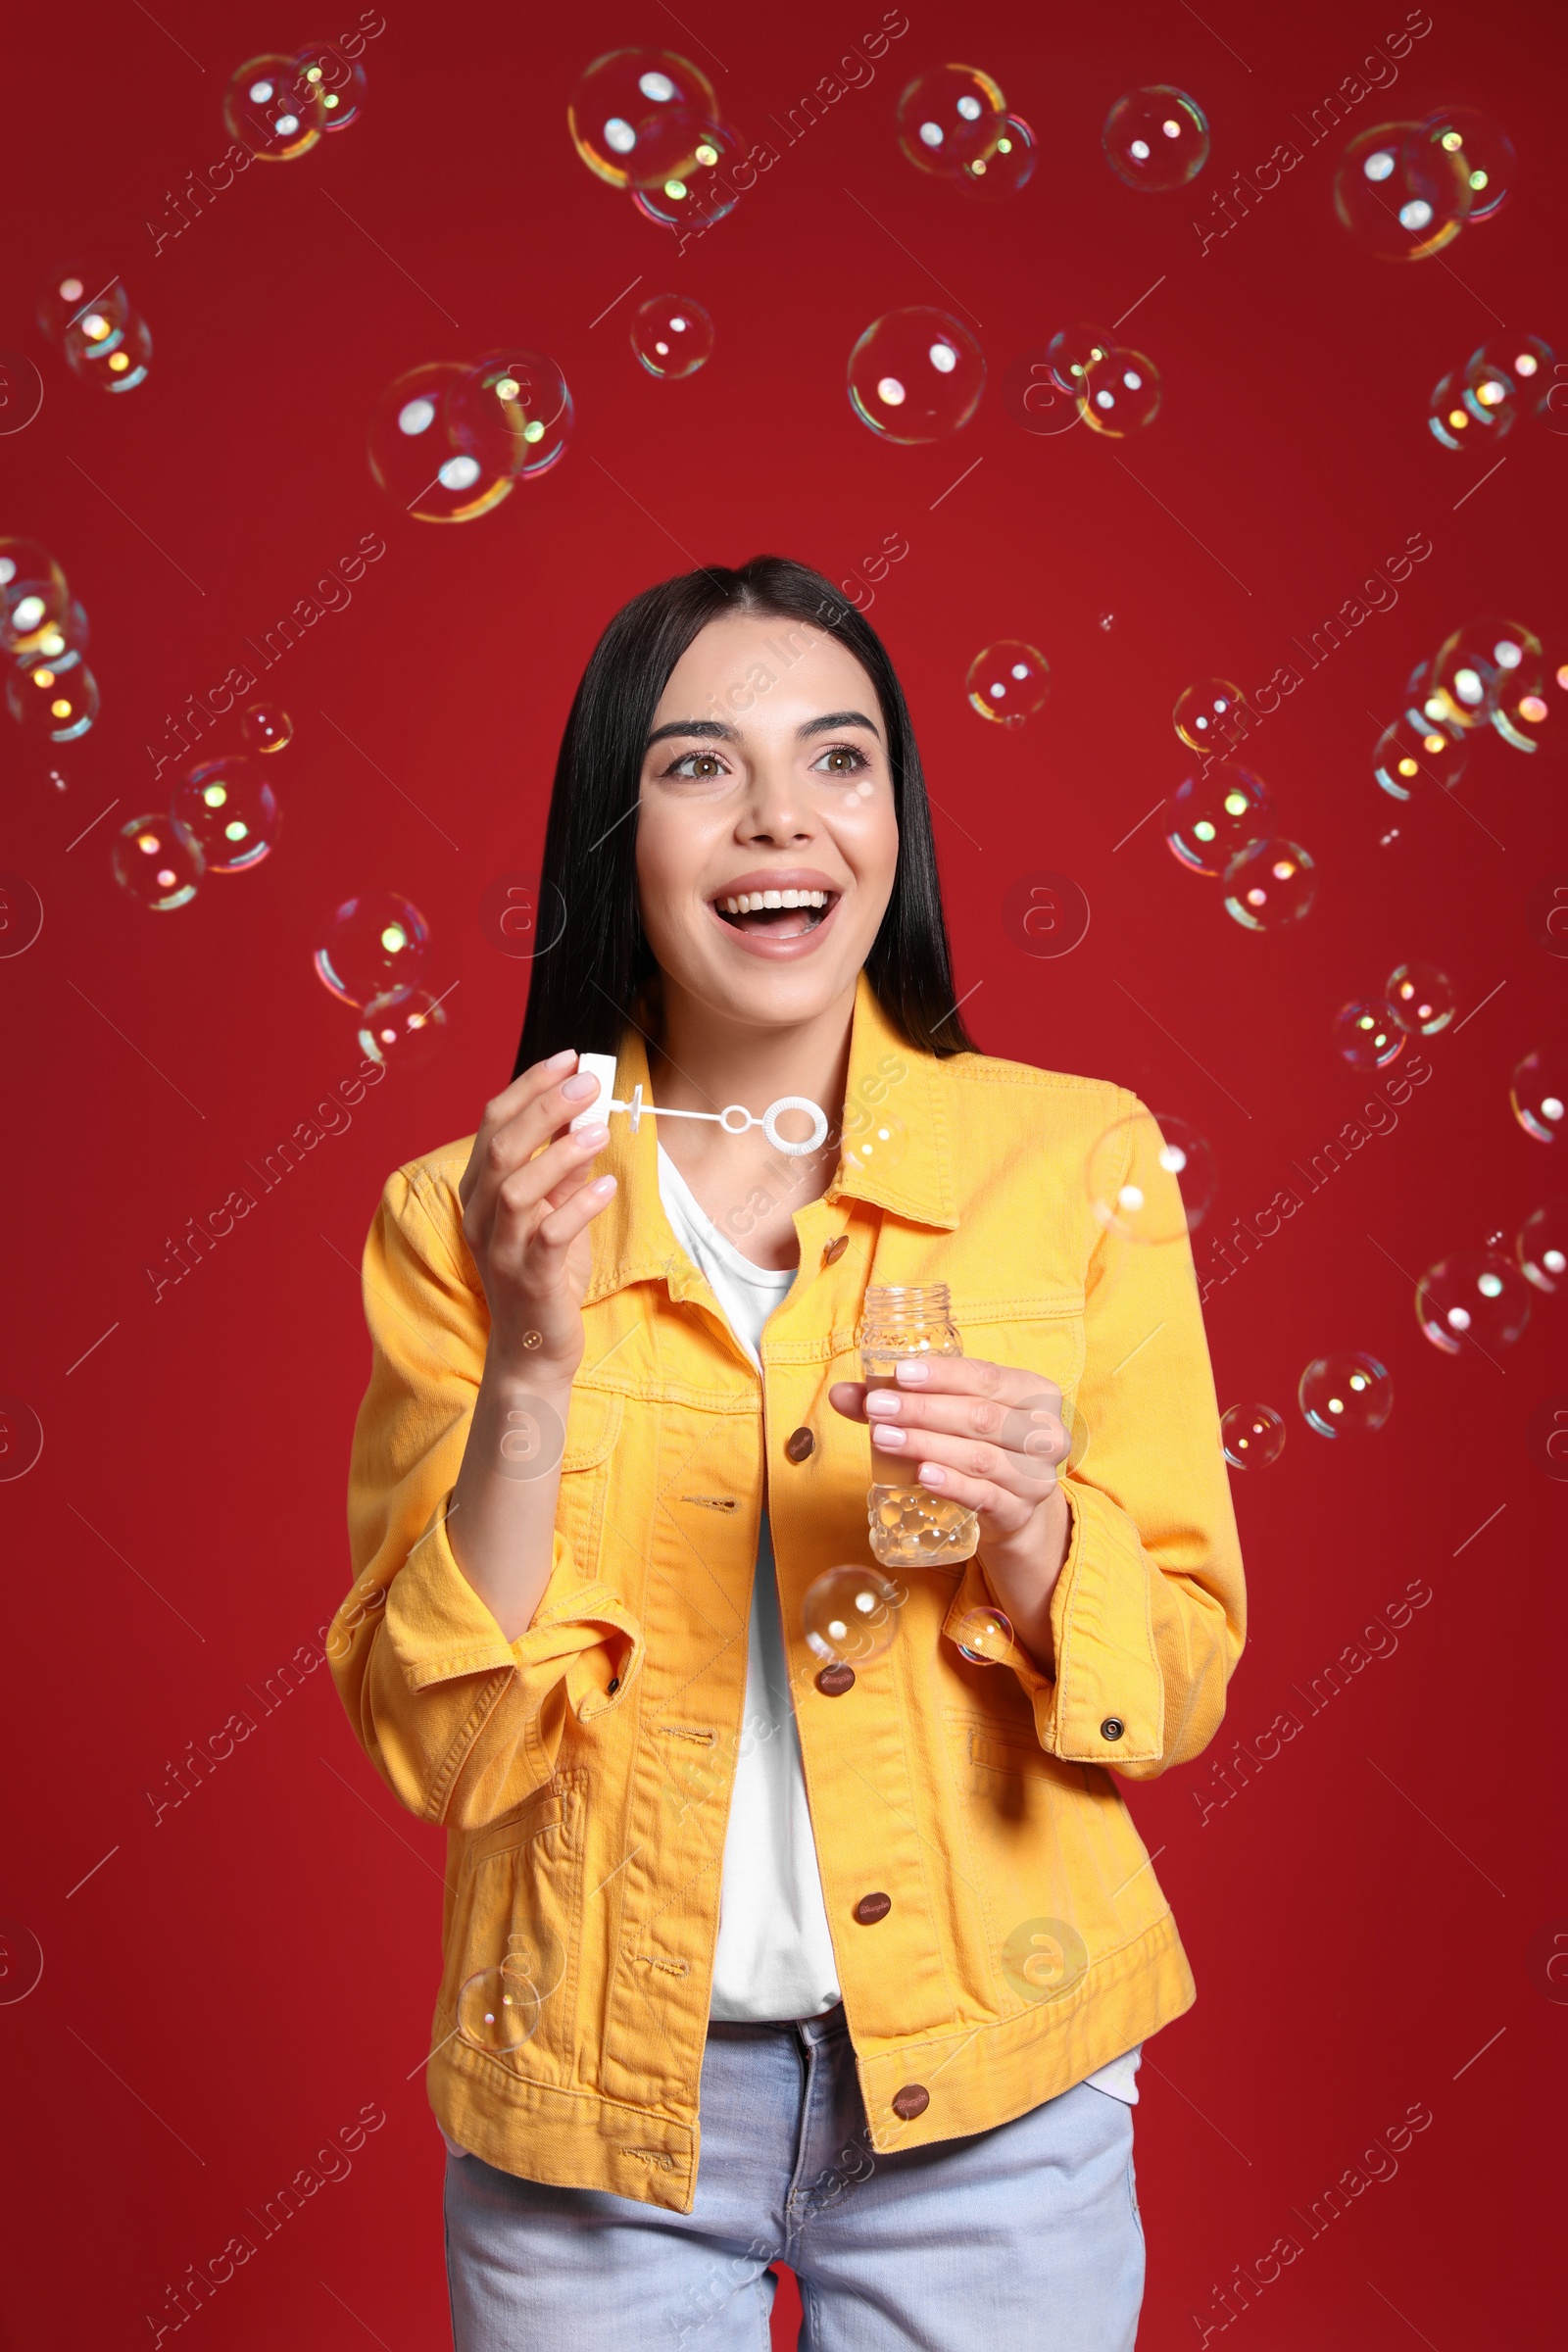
column 766, row 779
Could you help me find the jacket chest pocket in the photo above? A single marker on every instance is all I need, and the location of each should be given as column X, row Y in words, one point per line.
column 1049, row 1342
column 510, row 1991
column 593, row 1425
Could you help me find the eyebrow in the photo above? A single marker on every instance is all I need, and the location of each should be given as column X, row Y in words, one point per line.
column 714, row 729
column 838, row 718
column 707, row 727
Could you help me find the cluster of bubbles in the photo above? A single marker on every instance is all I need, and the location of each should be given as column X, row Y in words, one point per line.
column 1156, row 138
column 1491, row 677
column 223, row 819
column 1009, row 681
column 1149, row 1212
column 954, row 126
column 1404, row 190
column 87, row 313
column 1222, row 822
column 51, row 693
column 1345, row 1395
column 672, row 336
column 648, row 121
column 1506, row 379
column 451, row 439
column 278, row 106
column 371, row 957
column 1417, row 1000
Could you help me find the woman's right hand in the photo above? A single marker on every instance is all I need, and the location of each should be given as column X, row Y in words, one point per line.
column 526, row 1218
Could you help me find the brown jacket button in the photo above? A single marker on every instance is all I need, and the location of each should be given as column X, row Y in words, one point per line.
column 872, row 1907
column 798, row 1443
column 1112, row 1728
column 913, row 2100
column 834, row 1680
column 834, row 1249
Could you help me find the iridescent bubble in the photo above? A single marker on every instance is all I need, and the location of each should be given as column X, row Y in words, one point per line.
column 1524, row 703
column 1216, row 814
column 1478, row 1296
column 1120, row 393
column 915, row 375
column 1008, row 682
column 1484, row 150
column 21, row 390
column 850, row 1615
column 1539, row 1094
column 1007, row 169
column 230, row 812
column 1151, row 1179
column 54, row 701
column 672, row 336
column 1253, row 1435
column 267, row 727
column 950, row 116
column 1420, row 997
column 1073, row 349
column 1269, row 884
column 1506, row 379
column 1368, row 1035
column 1156, row 138
column 76, row 290
column 704, row 188
column 1207, row 714
column 875, row 1138
column 1448, row 419
column 619, row 102
column 374, row 948
column 1400, row 201
column 498, row 2010
column 56, row 639
column 1542, row 1247
column 1346, row 1395
column 1408, row 757
column 405, row 1030
column 34, row 599
column 513, row 410
column 272, row 110
column 984, row 1636
column 156, row 862
column 341, row 81
column 107, row 356
column 421, row 458
column 1476, row 660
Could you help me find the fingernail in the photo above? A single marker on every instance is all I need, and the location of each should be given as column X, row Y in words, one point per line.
column 910, row 1368
column 932, row 1475
column 883, row 1400
column 584, row 1083
column 603, row 1184
column 558, row 1061
column 590, row 1138
column 887, row 1435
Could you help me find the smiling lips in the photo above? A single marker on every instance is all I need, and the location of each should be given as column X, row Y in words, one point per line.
column 775, row 921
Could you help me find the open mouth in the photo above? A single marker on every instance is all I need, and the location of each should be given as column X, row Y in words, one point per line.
column 785, row 914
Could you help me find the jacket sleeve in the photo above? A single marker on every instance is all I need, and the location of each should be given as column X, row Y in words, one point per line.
column 461, row 1723
column 1149, row 1614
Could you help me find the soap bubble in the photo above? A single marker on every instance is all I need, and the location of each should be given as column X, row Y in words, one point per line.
column 671, row 336
column 1346, row 1395
column 1529, row 697
column 1448, row 417
column 1073, row 349
column 1506, row 379
column 1269, row 884
column 1369, row 1036
column 1156, row 138
column 156, row 862
column 1007, row 169
column 1543, row 1245
column 108, row 357
column 230, row 812
column 1120, row 393
column 54, row 701
column 1475, row 660
column 1482, row 148
column 618, row 104
column 57, row 638
column 1476, row 1295
column 267, row 727
column 272, row 110
column 851, row 1615
column 421, row 458
column 513, row 410
column 1407, row 758
column 1420, row 997
column 1043, row 1959
column 1008, row 682
column 1216, row 814
column 374, row 948
column 33, row 597
column 1124, row 1198
column 984, row 1636
column 406, row 1029
column 1207, row 714
column 915, row 375
column 703, row 190
column 950, row 116
column 76, row 290
column 1400, row 201
column 341, row 81
column 498, row 2010
column 1539, row 1094
column 20, row 391
column 874, row 1137
column 1253, row 1435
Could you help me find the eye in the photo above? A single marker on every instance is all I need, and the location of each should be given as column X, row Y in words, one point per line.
column 843, row 758
column 699, row 767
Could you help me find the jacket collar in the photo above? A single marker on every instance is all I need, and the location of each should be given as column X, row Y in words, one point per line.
column 904, row 1119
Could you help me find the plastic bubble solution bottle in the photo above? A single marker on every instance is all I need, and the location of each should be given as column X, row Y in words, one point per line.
column 910, row 1527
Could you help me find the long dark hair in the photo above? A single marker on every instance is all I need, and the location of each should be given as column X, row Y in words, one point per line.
column 595, row 971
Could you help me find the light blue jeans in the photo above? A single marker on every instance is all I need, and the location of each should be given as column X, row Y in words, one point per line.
column 1024, row 2236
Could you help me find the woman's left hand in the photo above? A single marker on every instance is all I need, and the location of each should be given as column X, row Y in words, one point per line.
column 991, row 1437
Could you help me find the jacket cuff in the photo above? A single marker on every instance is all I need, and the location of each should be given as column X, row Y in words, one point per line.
column 1107, row 1703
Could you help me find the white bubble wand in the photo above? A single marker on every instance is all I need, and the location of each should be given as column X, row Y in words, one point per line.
column 734, row 1118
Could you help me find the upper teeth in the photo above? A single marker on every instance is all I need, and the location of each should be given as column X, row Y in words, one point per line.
column 748, row 900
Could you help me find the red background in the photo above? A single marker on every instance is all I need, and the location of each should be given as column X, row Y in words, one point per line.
column 232, row 1984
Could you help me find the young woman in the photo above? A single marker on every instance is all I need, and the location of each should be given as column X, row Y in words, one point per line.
column 749, row 1955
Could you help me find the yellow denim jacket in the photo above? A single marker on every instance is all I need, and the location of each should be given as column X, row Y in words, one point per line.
column 583, row 1771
